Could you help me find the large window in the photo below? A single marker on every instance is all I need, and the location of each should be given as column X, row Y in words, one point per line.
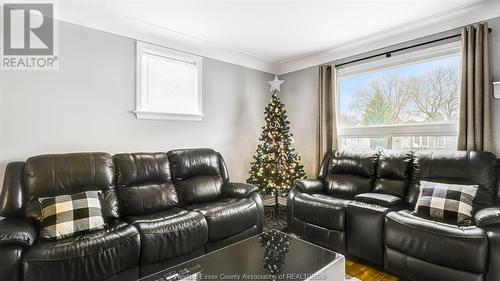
column 168, row 84
column 408, row 101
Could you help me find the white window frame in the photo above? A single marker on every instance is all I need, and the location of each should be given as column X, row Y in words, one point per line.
column 141, row 111
column 389, row 131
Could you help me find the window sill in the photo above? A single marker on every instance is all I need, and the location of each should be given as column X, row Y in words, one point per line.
column 409, row 129
column 152, row 115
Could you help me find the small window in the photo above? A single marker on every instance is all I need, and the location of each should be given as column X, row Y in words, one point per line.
column 168, row 84
column 407, row 101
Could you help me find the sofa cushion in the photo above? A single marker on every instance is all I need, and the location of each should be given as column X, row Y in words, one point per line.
column 351, row 173
column 458, row 167
column 227, row 216
column 170, row 234
column 462, row 248
column 321, row 210
column 186, row 163
column 57, row 174
column 198, row 175
column 393, row 173
column 147, row 198
column 199, row 189
column 92, row 256
column 64, row 174
column 137, row 168
column 143, row 183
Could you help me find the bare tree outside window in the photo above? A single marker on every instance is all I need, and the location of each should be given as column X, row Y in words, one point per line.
column 411, row 95
column 435, row 96
column 395, row 100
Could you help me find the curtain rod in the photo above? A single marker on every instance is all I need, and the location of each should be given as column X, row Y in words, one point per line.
column 389, row 53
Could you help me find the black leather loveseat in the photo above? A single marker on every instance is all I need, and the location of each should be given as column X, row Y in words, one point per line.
column 362, row 203
column 160, row 209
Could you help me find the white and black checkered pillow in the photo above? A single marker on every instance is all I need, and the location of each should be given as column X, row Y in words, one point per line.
column 451, row 203
column 67, row 215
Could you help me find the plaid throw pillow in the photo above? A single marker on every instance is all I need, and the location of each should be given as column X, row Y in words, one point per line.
column 451, row 203
column 66, row 215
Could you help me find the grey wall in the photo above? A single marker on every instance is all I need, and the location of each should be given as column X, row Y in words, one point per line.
column 300, row 90
column 495, row 69
column 299, row 95
column 86, row 104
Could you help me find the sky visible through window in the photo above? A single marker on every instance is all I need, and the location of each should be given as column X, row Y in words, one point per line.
column 351, row 87
column 423, row 92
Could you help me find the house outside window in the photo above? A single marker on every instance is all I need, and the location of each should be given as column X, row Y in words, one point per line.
column 404, row 102
column 169, row 84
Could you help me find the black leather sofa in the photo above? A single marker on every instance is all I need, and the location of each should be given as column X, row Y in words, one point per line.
column 361, row 205
column 160, row 209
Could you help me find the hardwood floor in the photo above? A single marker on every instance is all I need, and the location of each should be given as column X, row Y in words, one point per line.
column 367, row 273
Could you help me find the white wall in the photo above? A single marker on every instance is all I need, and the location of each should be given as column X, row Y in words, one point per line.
column 300, row 95
column 86, row 104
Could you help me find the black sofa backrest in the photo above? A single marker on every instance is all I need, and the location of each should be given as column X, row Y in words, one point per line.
column 460, row 167
column 143, row 183
column 398, row 173
column 61, row 174
column 198, row 174
column 350, row 172
column 393, row 173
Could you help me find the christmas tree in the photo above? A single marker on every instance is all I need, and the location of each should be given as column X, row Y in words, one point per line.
column 276, row 164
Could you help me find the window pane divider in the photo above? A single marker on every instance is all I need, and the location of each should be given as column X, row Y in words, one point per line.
column 435, row 129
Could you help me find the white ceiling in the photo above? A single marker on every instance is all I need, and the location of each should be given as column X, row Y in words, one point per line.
column 270, row 35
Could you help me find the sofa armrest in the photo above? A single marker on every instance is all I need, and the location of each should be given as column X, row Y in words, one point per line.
column 488, row 217
column 17, row 232
column 384, row 200
column 238, row 190
column 12, row 196
column 310, row 186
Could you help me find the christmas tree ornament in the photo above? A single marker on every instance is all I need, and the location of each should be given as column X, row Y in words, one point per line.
column 275, row 84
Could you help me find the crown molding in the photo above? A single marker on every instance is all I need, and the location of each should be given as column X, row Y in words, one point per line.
column 153, row 34
column 440, row 23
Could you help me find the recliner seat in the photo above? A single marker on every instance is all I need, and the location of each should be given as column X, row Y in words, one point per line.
column 149, row 201
column 438, row 243
column 178, row 230
column 422, row 249
column 377, row 224
column 317, row 209
column 228, row 216
column 89, row 256
column 92, row 256
column 202, row 182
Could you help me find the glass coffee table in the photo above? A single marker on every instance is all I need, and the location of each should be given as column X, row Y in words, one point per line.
column 272, row 255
